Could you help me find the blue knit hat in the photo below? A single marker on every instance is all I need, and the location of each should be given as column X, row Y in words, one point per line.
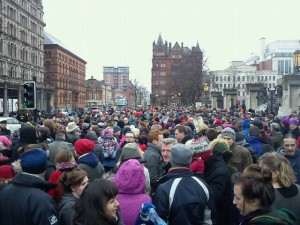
column 34, row 161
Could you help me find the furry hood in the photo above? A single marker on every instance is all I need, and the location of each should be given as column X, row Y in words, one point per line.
column 216, row 141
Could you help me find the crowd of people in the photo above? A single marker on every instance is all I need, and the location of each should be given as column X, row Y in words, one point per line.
column 158, row 166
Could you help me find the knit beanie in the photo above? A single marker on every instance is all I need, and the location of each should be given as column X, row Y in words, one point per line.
column 198, row 146
column 83, row 146
column 116, row 128
column 181, row 156
column 258, row 123
column 6, row 172
column 34, row 161
column 294, row 121
column 229, row 133
column 107, row 132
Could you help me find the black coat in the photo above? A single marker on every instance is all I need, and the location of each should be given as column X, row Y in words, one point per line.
column 217, row 175
column 24, row 202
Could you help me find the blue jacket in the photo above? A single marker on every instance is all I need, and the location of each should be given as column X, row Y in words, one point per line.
column 24, row 202
column 192, row 201
column 259, row 145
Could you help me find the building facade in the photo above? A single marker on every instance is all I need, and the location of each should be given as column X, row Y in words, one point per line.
column 21, row 53
column 165, row 62
column 65, row 71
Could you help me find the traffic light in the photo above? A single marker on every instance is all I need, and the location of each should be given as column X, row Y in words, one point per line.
column 30, row 95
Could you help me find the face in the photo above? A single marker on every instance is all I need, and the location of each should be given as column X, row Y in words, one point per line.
column 166, row 152
column 125, row 120
column 159, row 141
column 289, row 145
column 179, row 136
column 129, row 137
column 112, row 207
column 229, row 140
column 239, row 200
column 77, row 190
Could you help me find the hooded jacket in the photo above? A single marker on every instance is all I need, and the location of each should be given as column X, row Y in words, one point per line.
column 66, row 210
column 91, row 164
column 259, row 145
column 130, row 180
column 26, row 202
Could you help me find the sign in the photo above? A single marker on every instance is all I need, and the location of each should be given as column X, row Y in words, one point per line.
column 284, row 111
column 262, row 107
column 198, row 104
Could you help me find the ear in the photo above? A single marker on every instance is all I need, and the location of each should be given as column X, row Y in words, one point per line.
column 275, row 175
column 73, row 188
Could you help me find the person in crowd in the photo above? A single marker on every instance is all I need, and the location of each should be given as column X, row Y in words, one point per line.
column 294, row 127
column 287, row 193
column 44, row 135
column 285, row 125
column 86, row 127
column 245, row 127
column 71, row 129
column 15, row 137
column 6, row 145
column 131, row 182
column 87, row 160
column 191, row 200
column 211, row 134
column 276, row 136
column 181, row 134
column 117, row 132
column 154, row 158
column 51, row 124
column 166, row 145
column 60, row 141
column 257, row 143
column 4, row 130
column 254, row 196
column 72, row 183
column 28, row 135
column 34, row 206
column 98, row 150
column 64, row 161
column 292, row 153
column 6, row 173
column 98, row 205
column 241, row 157
column 109, row 146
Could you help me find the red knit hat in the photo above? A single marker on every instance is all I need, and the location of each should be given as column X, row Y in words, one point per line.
column 6, row 172
column 218, row 122
column 83, row 146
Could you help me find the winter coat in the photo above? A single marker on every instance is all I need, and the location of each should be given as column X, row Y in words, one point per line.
column 259, row 145
column 154, row 163
column 130, row 180
column 24, row 202
column 218, row 177
column 91, row 164
column 295, row 132
column 66, row 210
column 295, row 163
column 276, row 139
column 98, row 150
column 192, row 201
column 55, row 193
column 109, row 147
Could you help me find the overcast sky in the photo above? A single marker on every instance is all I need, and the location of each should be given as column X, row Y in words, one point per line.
column 121, row 33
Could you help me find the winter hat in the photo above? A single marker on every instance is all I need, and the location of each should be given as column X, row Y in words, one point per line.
column 229, row 133
column 34, row 161
column 221, row 145
column 181, row 156
column 6, row 172
column 4, row 160
column 131, row 152
column 107, row 132
column 116, row 128
column 91, row 135
column 5, row 141
column 83, row 146
column 258, row 123
column 239, row 138
column 286, row 121
column 294, row 121
column 71, row 127
column 86, row 126
column 136, row 132
column 16, row 134
column 199, row 145
column 218, row 122
column 125, row 130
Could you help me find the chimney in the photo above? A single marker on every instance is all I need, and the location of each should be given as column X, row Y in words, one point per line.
column 262, row 49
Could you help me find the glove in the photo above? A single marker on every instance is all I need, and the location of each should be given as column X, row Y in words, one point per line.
column 146, row 207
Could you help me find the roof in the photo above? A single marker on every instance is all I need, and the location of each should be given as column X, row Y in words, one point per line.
column 159, row 41
column 50, row 40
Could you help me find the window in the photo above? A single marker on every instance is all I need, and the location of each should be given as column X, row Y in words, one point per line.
column 284, row 67
column 217, row 78
column 162, row 65
column 162, row 73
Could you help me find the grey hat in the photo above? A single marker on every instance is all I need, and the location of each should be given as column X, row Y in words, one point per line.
column 229, row 133
column 181, row 156
column 131, row 153
column 198, row 145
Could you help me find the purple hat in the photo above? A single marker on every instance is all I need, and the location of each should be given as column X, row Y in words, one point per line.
column 285, row 121
column 294, row 121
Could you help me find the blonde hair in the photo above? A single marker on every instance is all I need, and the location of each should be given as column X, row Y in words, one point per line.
column 277, row 162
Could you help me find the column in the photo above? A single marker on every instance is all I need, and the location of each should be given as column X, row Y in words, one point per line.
column 20, row 105
column 42, row 100
column 5, row 112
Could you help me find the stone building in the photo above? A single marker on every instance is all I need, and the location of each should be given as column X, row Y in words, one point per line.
column 65, row 71
column 21, row 53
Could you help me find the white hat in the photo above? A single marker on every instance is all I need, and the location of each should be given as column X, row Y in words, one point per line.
column 71, row 126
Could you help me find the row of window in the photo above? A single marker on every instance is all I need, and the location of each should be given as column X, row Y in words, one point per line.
column 243, row 78
column 159, row 65
column 237, row 86
column 13, row 72
column 160, row 73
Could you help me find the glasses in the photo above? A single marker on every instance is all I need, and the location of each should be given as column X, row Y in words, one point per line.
column 129, row 137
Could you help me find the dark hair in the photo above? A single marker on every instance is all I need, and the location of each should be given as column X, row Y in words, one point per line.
column 71, row 178
column 256, row 184
column 211, row 134
column 181, row 129
column 90, row 208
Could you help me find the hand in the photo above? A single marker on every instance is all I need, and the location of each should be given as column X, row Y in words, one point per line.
column 146, row 207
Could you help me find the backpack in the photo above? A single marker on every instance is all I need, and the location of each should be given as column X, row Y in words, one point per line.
column 276, row 217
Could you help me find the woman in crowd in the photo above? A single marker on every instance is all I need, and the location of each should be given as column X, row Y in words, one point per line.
column 287, row 193
column 72, row 182
column 98, row 205
column 253, row 194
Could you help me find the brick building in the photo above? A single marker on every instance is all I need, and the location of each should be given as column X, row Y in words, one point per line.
column 65, row 71
column 165, row 61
